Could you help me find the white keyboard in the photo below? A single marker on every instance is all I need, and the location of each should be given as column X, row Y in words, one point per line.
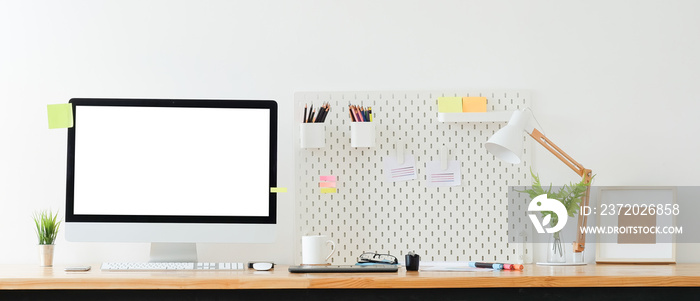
column 172, row 266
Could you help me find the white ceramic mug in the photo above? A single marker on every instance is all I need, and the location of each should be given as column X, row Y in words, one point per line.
column 312, row 249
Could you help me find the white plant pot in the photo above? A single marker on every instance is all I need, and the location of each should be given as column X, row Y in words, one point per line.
column 46, row 255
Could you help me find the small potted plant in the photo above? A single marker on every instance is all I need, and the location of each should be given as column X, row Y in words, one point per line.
column 47, row 224
column 570, row 196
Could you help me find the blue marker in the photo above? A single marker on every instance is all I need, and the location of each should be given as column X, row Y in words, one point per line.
column 486, row 265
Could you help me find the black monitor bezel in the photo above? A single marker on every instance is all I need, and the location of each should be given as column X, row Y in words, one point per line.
column 190, row 103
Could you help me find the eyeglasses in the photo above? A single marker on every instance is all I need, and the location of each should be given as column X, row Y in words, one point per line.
column 377, row 258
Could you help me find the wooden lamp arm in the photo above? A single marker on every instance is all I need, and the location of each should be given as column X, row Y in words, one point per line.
column 586, row 174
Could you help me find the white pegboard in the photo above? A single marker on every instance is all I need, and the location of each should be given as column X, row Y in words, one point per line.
column 368, row 213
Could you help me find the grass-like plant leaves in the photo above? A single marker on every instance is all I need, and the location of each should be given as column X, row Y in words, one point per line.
column 47, row 225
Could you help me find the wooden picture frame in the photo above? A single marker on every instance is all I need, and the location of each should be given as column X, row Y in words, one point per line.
column 624, row 207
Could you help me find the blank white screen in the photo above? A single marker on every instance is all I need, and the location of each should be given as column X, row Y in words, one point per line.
column 171, row 161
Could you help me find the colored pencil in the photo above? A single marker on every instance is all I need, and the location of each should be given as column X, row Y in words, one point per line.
column 304, row 120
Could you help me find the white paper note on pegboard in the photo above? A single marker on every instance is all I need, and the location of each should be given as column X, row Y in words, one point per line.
column 366, row 212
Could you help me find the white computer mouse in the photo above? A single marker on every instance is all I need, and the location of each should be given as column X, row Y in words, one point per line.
column 262, row 266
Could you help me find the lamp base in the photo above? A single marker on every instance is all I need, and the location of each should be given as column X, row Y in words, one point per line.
column 578, row 260
column 561, row 263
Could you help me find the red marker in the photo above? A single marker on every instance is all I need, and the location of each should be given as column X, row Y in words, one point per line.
column 508, row 266
column 496, row 266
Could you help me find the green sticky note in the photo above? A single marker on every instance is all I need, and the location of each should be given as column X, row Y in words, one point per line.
column 278, row 189
column 449, row 104
column 60, row 115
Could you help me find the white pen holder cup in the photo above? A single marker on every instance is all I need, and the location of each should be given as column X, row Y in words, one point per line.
column 362, row 134
column 313, row 250
column 313, row 135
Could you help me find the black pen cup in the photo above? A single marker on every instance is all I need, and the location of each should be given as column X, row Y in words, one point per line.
column 412, row 262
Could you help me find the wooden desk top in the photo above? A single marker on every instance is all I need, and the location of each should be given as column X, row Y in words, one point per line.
column 29, row 277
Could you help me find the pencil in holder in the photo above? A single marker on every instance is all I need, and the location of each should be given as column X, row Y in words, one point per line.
column 362, row 134
column 313, row 135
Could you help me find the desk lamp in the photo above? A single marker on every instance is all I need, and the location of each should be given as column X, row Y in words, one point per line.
column 507, row 145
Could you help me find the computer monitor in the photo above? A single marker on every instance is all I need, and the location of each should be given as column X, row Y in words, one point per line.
column 172, row 172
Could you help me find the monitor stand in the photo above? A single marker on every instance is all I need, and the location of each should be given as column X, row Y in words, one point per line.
column 173, row 252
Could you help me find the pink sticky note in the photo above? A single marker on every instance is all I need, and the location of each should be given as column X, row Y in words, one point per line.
column 328, row 178
column 326, row 184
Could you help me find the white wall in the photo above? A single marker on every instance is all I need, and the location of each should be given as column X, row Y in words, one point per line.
column 614, row 82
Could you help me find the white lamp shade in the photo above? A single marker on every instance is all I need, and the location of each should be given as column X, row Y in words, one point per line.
column 507, row 143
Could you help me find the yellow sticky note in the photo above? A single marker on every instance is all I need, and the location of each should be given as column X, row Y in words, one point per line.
column 329, row 190
column 449, row 104
column 278, row 189
column 473, row 104
column 60, row 115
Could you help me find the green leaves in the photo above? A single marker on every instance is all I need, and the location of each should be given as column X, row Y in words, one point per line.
column 570, row 195
column 47, row 225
